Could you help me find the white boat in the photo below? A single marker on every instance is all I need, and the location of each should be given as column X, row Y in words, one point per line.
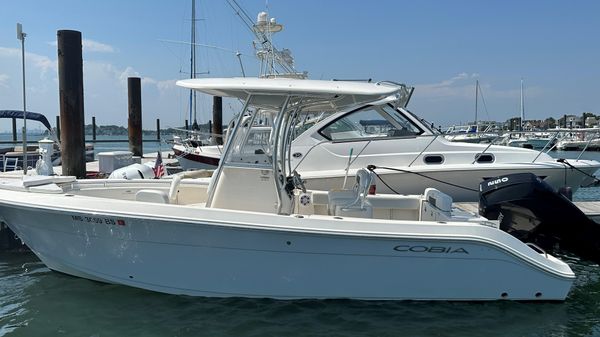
column 408, row 154
column 470, row 134
column 531, row 141
column 254, row 231
column 579, row 139
column 578, row 145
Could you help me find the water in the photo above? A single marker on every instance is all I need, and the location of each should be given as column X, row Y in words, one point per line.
column 149, row 145
column 38, row 302
column 35, row 301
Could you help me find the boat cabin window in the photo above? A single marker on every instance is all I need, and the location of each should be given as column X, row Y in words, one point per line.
column 433, row 159
column 370, row 122
column 484, row 158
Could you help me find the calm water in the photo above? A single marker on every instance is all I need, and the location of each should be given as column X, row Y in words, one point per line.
column 37, row 302
column 149, row 145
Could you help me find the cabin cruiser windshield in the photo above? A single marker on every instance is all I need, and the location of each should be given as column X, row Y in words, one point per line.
column 426, row 124
column 372, row 121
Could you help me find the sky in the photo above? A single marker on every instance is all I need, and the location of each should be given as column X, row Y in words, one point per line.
column 439, row 47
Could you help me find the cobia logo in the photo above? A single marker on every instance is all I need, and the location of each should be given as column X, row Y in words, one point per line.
column 431, row 249
column 497, row 181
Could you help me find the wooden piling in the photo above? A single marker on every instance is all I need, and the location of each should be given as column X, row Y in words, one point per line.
column 14, row 129
column 187, row 126
column 217, row 125
column 70, row 84
column 134, row 122
column 58, row 127
column 158, row 129
column 94, row 127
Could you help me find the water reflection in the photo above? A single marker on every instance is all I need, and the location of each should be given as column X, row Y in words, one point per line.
column 37, row 302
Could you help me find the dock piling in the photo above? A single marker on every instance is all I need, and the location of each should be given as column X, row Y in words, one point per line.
column 58, row 127
column 94, row 127
column 158, row 129
column 134, row 122
column 217, row 125
column 14, row 129
column 70, row 84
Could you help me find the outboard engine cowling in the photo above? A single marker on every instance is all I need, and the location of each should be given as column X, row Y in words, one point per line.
column 533, row 211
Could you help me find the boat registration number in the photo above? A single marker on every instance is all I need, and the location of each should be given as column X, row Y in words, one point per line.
column 98, row 220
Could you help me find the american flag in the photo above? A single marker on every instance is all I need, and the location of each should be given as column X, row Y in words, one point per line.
column 159, row 167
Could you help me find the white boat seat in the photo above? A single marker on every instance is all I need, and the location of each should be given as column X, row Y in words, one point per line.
column 159, row 196
column 353, row 202
column 155, row 196
column 439, row 200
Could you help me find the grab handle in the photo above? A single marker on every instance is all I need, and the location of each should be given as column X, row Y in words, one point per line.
column 537, row 248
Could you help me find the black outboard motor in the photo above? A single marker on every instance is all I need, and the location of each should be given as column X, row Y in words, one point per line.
column 533, row 211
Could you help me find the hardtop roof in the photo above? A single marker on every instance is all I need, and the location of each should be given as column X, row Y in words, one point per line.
column 240, row 87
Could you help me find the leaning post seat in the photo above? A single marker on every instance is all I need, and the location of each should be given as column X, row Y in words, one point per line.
column 353, row 203
column 436, row 205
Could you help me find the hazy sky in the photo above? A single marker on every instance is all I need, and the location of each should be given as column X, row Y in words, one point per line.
column 440, row 47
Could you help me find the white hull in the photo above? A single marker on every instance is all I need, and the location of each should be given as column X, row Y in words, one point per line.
column 196, row 159
column 282, row 256
column 459, row 181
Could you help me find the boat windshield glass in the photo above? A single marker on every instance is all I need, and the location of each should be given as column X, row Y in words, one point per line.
column 425, row 123
column 308, row 120
column 370, row 122
column 252, row 144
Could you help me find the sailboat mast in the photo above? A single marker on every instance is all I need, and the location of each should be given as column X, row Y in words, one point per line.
column 522, row 107
column 476, row 98
column 193, row 120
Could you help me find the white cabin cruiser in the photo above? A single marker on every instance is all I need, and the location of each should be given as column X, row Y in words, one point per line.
column 255, row 231
column 407, row 153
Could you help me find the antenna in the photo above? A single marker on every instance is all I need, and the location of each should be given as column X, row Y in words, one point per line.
column 20, row 34
column 270, row 57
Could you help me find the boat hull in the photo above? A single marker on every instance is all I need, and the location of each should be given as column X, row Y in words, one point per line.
column 460, row 182
column 195, row 161
column 217, row 259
